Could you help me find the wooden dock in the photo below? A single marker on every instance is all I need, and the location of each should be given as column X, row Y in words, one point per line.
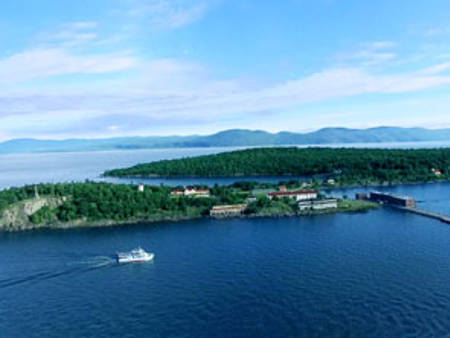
column 430, row 214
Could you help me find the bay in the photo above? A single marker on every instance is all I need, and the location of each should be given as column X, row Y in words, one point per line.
column 22, row 169
column 381, row 273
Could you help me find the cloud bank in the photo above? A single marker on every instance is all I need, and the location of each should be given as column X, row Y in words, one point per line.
column 79, row 81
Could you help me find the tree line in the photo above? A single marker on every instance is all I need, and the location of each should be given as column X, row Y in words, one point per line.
column 348, row 165
column 94, row 201
column 104, row 201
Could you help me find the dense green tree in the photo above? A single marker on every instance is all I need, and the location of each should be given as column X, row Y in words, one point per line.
column 103, row 201
column 347, row 165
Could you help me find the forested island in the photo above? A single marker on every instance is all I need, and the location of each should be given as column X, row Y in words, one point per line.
column 101, row 204
column 343, row 166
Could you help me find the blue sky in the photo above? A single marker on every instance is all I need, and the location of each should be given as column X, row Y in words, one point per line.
column 107, row 68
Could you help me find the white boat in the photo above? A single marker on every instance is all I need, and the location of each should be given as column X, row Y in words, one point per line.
column 134, row 256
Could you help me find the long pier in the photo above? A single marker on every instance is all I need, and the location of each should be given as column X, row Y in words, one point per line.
column 430, row 214
column 404, row 203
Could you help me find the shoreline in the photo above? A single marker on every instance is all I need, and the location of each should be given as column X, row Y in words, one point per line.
column 327, row 187
column 411, row 144
column 350, row 207
column 78, row 224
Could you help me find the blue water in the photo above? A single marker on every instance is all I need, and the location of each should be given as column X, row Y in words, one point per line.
column 383, row 273
column 432, row 196
column 21, row 169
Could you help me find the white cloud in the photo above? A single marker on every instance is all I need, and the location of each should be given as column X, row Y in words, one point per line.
column 210, row 99
column 370, row 54
column 39, row 63
column 73, row 34
column 84, row 24
column 436, row 69
column 376, row 45
column 437, row 31
column 161, row 92
column 44, row 121
column 169, row 14
column 444, row 56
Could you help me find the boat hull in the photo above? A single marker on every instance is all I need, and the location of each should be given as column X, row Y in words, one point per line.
column 135, row 260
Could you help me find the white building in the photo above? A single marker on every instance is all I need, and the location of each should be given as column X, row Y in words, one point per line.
column 318, row 204
column 191, row 191
column 298, row 195
column 227, row 210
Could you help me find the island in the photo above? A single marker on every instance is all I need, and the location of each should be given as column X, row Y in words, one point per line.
column 330, row 166
column 65, row 205
column 95, row 204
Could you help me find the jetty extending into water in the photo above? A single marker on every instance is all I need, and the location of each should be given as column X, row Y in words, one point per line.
column 404, row 203
column 430, row 214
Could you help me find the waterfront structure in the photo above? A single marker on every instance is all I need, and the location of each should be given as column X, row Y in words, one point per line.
column 385, row 198
column 437, row 172
column 191, row 191
column 177, row 192
column 227, row 210
column 361, row 196
column 298, row 195
column 404, row 203
column 318, row 204
column 141, row 187
column 251, row 199
column 430, row 214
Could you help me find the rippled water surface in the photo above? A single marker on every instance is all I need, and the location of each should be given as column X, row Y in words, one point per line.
column 383, row 273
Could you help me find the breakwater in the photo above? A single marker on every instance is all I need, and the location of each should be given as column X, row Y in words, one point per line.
column 426, row 213
column 404, row 203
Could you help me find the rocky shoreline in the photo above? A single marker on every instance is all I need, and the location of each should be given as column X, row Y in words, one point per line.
column 22, row 222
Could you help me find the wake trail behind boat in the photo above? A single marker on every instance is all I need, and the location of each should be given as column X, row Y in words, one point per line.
column 90, row 264
column 96, row 262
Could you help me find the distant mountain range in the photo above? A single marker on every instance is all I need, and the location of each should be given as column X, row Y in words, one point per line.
column 231, row 138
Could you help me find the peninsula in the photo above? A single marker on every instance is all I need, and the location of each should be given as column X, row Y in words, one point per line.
column 104, row 204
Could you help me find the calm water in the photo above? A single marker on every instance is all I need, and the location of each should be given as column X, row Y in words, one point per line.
column 377, row 274
column 383, row 273
column 21, row 169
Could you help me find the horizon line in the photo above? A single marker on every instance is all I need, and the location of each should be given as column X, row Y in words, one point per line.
column 217, row 132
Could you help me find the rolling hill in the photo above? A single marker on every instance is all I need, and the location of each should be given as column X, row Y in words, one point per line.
column 232, row 138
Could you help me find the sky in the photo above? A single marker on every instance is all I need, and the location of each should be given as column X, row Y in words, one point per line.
column 110, row 68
